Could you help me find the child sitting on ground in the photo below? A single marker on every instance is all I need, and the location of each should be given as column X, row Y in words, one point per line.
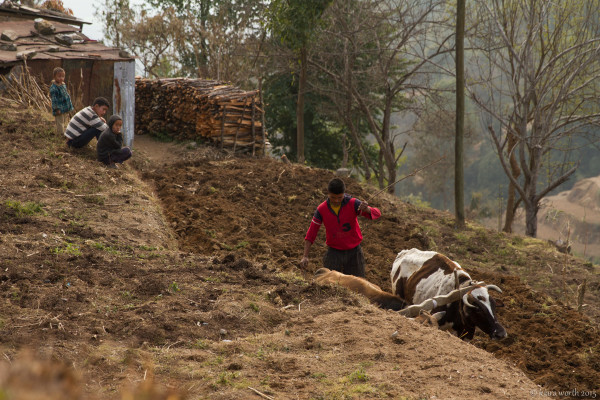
column 110, row 142
column 61, row 101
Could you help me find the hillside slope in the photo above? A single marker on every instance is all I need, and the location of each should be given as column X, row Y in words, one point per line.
column 572, row 215
column 184, row 274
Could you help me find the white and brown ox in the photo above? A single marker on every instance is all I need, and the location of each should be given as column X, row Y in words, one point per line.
column 390, row 301
column 419, row 275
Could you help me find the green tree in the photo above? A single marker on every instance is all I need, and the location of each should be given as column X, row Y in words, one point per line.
column 293, row 22
column 323, row 148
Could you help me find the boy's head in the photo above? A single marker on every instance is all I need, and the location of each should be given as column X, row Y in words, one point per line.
column 100, row 106
column 115, row 123
column 335, row 191
column 59, row 75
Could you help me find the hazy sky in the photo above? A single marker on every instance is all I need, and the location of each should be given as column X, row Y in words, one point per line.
column 85, row 10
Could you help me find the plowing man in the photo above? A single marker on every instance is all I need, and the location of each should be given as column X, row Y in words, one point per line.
column 339, row 213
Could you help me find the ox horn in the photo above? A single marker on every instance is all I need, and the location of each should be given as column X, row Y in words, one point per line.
column 430, row 304
column 494, row 287
column 466, row 301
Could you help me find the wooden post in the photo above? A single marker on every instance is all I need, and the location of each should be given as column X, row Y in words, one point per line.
column 253, row 134
column 223, row 126
column 237, row 129
column 262, row 105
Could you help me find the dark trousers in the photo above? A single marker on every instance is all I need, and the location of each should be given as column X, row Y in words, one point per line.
column 85, row 138
column 349, row 262
column 118, row 156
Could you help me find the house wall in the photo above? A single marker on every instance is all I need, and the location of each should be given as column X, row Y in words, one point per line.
column 88, row 79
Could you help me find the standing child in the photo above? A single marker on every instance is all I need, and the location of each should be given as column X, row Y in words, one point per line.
column 110, row 142
column 61, row 101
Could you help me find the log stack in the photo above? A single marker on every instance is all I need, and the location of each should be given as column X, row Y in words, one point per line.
column 186, row 109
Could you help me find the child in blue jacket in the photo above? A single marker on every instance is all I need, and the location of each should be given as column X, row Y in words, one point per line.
column 61, row 101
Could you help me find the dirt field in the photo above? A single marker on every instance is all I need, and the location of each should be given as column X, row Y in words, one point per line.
column 177, row 276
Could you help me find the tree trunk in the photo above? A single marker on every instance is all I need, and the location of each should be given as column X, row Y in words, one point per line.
column 300, row 107
column 459, row 183
column 348, row 115
column 345, row 149
column 531, row 210
column 512, row 191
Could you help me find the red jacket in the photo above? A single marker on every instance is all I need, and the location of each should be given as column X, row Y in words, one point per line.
column 342, row 230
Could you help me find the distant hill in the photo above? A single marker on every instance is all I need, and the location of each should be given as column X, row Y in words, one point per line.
column 572, row 215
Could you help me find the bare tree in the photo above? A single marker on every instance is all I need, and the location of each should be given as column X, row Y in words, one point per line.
column 536, row 79
column 381, row 54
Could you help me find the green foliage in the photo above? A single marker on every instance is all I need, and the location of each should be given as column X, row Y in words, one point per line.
column 174, row 287
column 359, row 375
column 163, row 137
column 294, row 21
column 323, row 136
column 27, row 208
column 70, row 249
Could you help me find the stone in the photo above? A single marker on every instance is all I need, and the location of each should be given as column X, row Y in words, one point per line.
column 44, row 27
column 9, row 35
column 26, row 55
column 64, row 39
column 8, row 47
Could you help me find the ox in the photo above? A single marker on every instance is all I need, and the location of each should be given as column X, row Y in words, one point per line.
column 418, row 275
column 390, row 301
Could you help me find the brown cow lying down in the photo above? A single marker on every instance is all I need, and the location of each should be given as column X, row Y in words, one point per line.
column 387, row 300
column 373, row 292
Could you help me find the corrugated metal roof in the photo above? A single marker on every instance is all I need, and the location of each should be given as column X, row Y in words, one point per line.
column 46, row 47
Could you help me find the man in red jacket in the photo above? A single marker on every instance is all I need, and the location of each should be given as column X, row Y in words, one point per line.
column 339, row 213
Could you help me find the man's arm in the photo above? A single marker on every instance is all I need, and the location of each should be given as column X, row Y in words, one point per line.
column 304, row 261
column 311, row 235
column 363, row 209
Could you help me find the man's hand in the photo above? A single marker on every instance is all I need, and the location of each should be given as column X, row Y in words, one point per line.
column 364, row 207
column 303, row 263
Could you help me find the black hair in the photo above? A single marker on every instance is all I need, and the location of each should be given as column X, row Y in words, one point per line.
column 336, row 186
column 56, row 71
column 101, row 101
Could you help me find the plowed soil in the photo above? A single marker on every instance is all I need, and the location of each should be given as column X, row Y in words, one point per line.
column 177, row 275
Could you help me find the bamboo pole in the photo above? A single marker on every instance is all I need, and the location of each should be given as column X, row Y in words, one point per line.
column 253, row 133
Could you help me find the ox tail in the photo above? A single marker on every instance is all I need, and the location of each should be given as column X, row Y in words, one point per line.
column 388, row 301
column 321, row 271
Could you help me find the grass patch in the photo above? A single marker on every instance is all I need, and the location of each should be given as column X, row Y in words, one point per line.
column 360, row 375
column 94, row 199
column 162, row 137
column 69, row 249
column 27, row 208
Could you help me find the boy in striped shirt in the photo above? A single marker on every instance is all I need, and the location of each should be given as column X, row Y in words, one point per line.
column 87, row 124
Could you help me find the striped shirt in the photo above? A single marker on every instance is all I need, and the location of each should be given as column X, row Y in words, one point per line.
column 82, row 121
column 60, row 98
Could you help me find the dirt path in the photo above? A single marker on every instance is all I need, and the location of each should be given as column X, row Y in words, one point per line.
column 159, row 152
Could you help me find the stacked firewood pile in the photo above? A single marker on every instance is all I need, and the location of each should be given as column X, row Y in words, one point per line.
column 190, row 108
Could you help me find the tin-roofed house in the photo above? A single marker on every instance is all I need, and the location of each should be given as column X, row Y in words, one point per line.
column 45, row 39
